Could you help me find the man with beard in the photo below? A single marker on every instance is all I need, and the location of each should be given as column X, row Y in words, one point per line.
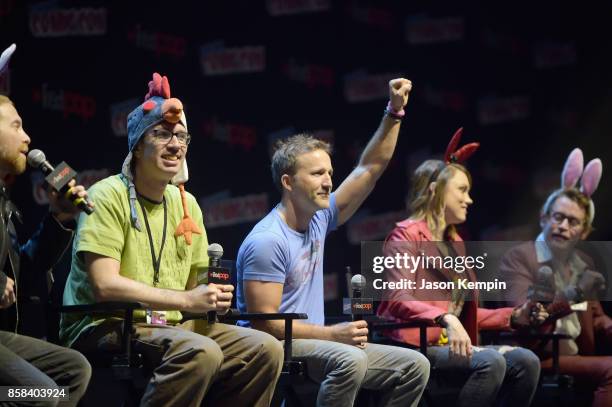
column 26, row 361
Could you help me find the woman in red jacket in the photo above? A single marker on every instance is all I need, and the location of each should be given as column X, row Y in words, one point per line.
column 439, row 201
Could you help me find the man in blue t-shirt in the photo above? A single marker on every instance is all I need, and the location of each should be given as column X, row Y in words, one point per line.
column 280, row 267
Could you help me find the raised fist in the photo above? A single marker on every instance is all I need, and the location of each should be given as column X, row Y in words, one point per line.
column 399, row 90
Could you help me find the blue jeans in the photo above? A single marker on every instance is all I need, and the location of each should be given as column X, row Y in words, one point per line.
column 401, row 374
column 502, row 375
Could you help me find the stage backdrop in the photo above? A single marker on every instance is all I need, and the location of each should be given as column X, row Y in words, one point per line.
column 528, row 82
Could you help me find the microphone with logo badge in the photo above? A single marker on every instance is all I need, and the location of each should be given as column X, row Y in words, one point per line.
column 216, row 273
column 58, row 178
column 359, row 305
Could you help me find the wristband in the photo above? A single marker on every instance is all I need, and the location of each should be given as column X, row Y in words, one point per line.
column 394, row 114
column 439, row 320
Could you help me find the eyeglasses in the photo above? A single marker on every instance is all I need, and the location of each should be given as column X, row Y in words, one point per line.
column 559, row 217
column 164, row 136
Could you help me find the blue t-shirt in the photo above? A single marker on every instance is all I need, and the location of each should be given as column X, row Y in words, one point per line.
column 275, row 252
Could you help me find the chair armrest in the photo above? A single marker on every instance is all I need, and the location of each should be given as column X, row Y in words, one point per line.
column 100, row 307
column 376, row 323
column 123, row 360
column 235, row 315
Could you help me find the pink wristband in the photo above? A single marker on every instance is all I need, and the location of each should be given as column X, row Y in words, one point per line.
column 394, row 113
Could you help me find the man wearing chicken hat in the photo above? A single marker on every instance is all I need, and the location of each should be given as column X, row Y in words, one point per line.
column 145, row 243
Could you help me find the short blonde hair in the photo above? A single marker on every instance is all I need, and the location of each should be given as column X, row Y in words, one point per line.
column 5, row 99
column 287, row 151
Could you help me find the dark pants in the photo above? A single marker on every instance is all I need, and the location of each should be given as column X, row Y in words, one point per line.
column 592, row 372
column 495, row 374
column 26, row 361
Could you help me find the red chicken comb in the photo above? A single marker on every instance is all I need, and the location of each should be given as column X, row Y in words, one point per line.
column 159, row 86
column 452, row 155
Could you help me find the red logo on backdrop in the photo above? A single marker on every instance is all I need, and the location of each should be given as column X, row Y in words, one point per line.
column 118, row 115
column 445, row 99
column 310, row 74
column 287, row 7
column 68, row 102
column 372, row 16
column 56, row 22
column 372, row 227
column 360, row 87
column 232, row 211
column 231, row 133
column 492, row 110
column 160, row 43
column 551, row 54
column 216, row 59
column 423, row 30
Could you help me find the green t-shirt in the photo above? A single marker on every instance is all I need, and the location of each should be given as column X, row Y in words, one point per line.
column 109, row 232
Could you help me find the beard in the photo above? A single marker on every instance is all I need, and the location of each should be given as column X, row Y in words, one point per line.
column 13, row 163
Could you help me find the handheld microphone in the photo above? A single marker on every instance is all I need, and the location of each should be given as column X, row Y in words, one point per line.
column 58, row 178
column 359, row 305
column 215, row 252
column 543, row 290
column 358, row 283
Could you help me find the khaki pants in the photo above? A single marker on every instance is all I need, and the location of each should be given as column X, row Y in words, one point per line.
column 230, row 365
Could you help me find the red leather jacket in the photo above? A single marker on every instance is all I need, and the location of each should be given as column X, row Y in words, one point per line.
column 417, row 305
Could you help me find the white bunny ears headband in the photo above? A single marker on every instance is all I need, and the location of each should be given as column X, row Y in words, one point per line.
column 6, row 56
column 589, row 176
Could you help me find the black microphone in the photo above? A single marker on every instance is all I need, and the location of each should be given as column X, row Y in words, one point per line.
column 58, row 178
column 358, row 283
column 215, row 252
column 543, row 290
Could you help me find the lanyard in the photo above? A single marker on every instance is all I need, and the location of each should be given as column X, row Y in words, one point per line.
column 156, row 262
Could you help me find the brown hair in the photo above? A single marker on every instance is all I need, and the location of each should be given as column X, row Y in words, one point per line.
column 287, row 151
column 422, row 204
